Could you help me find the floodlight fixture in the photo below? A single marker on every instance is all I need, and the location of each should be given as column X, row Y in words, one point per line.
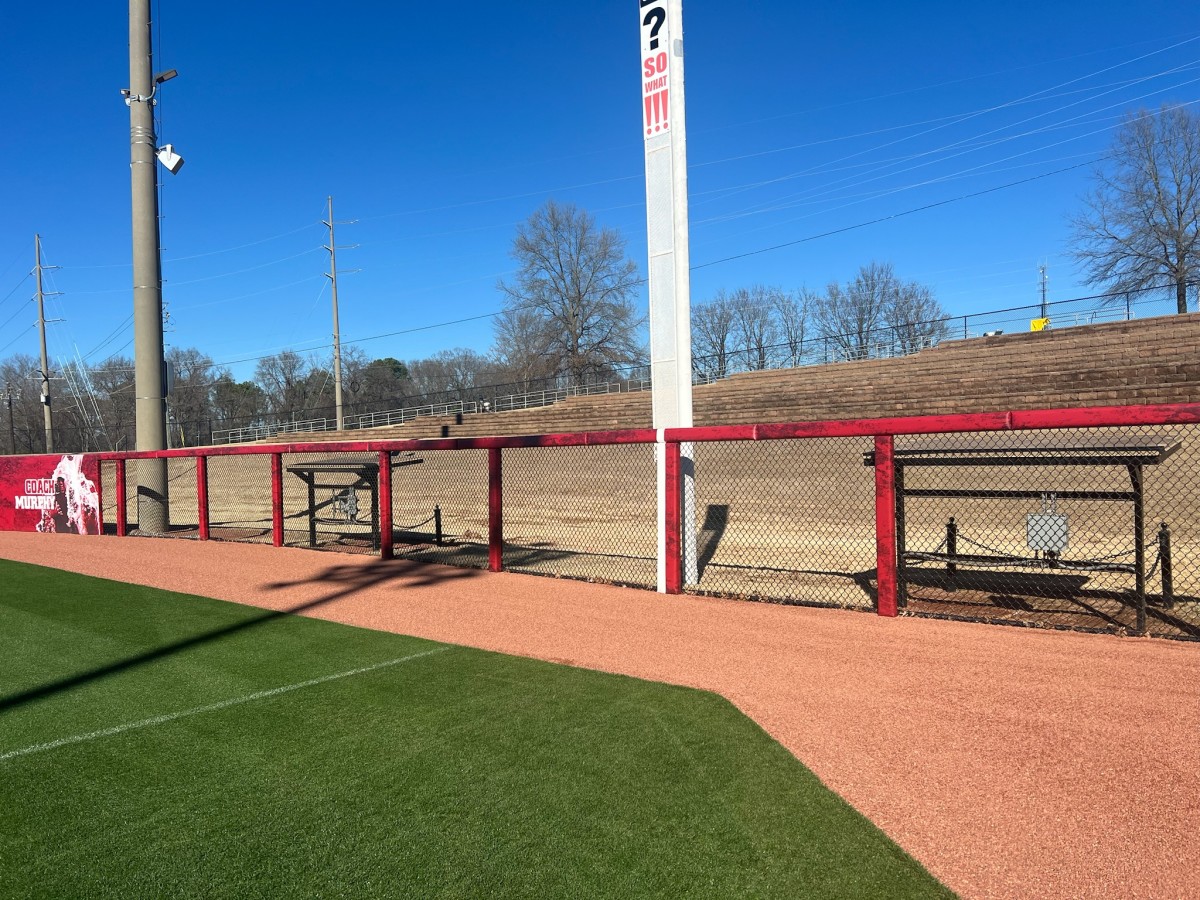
column 171, row 160
column 165, row 76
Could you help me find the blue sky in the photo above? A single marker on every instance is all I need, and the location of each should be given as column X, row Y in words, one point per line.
column 439, row 128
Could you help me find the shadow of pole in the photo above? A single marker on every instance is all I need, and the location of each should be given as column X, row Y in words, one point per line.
column 352, row 580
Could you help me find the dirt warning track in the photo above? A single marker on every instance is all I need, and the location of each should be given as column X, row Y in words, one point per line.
column 1012, row 763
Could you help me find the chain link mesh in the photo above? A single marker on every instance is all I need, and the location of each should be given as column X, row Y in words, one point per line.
column 1090, row 529
column 440, row 507
column 239, row 498
column 785, row 521
column 582, row 512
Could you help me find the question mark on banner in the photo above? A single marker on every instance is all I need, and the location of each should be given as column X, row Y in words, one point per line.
column 659, row 15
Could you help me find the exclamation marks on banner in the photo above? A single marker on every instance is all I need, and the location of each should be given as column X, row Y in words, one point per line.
column 656, row 112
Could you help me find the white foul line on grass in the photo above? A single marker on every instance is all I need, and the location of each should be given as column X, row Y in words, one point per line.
column 213, row 707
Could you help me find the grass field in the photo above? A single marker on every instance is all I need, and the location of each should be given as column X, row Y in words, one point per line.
column 156, row 744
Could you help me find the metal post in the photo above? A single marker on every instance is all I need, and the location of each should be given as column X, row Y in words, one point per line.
column 495, row 511
column 1139, row 547
column 337, row 340
column 1164, row 562
column 885, row 526
column 150, row 404
column 45, row 372
column 12, row 432
column 202, row 495
column 673, row 543
column 277, row 499
column 385, row 503
column 122, row 514
column 951, row 553
column 437, row 525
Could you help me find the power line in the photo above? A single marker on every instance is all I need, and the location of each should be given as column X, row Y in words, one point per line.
column 899, row 215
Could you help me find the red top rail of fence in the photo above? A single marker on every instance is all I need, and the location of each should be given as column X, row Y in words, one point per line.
column 1014, row 420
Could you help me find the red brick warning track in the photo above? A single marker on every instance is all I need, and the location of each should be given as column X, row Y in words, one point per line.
column 1012, row 763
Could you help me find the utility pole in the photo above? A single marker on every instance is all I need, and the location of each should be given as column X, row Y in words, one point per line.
column 150, row 405
column 45, row 372
column 9, row 395
column 332, row 275
column 1042, row 274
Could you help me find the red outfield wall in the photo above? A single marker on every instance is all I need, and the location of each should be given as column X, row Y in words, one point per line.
column 49, row 493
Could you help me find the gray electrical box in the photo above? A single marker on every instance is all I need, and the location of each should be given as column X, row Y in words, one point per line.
column 1047, row 531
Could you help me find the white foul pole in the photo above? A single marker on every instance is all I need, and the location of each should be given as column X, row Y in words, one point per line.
column 663, row 127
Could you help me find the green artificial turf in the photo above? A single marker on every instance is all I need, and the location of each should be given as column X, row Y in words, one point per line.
column 456, row 773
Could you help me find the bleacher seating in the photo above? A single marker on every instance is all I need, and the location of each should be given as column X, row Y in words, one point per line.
column 1138, row 361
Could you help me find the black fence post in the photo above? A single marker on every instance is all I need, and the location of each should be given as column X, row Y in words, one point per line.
column 951, row 553
column 1164, row 560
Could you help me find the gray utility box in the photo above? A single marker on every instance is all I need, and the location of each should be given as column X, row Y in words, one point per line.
column 1047, row 531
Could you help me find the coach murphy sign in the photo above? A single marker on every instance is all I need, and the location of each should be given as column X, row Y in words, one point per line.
column 50, row 494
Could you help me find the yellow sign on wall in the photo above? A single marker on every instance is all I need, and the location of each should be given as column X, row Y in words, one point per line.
column 1039, row 324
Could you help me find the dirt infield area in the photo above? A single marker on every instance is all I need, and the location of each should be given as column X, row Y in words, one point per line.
column 1011, row 762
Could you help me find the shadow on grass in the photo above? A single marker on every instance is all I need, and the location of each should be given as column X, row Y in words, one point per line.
column 345, row 581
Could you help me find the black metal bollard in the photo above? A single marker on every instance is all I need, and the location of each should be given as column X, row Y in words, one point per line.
column 437, row 525
column 951, row 552
column 1164, row 560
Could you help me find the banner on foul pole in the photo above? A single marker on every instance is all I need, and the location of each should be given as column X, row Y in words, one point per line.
column 663, row 128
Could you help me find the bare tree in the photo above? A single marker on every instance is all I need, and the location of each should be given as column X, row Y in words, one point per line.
column 850, row 318
column 577, row 279
column 1140, row 228
column 522, row 345
column 112, row 381
column 237, row 403
column 449, row 374
column 712, row 331
column 374, row 385
column 191, row 403
column 29, row 433
column 915, row 317
column 793, row 311
column 294, row 385
column 754, row 323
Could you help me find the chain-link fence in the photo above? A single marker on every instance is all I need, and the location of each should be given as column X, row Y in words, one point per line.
column 789, row 521
column 1081, row 528
column 239, row 498
column 1093, row 528
column 440, row 507
column 582, row 512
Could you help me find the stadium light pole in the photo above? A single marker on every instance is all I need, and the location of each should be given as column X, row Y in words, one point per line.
column 150, row 402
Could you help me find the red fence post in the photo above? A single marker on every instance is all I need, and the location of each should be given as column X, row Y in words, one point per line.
column 885, row 525
column 122, row 518
column 100, row 497
column 385, row 504
column 202, row 495
column 673, row 524
column 277, row 499
column 495, row 511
